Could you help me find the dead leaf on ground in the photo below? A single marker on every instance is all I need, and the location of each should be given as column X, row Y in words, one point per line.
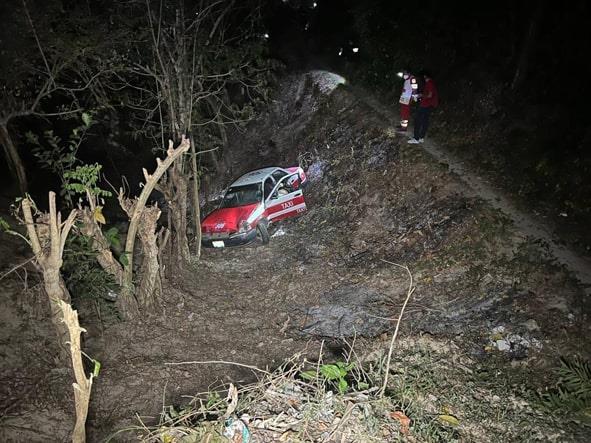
column 403, row 420
column 449, row 419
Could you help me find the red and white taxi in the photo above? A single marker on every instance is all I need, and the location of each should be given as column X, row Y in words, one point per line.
column 251, row 203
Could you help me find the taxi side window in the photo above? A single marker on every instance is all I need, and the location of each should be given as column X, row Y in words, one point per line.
column 278, row 175
column 268, row 187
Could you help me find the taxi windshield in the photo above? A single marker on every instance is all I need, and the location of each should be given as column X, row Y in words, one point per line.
column 242, row 195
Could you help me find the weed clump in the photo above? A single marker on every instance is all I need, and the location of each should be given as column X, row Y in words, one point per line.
column 571, row 397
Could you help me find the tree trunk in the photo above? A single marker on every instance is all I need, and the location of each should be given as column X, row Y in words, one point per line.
column 162, row 238
column 150, row 287
column 214, row 161
column 528, row 46
column 179, row 215
column 91, row 229
column 196, row 207
column 83, row 385
column 57, row 293
column 13, row 158
column 128, row 303
column 47, row 237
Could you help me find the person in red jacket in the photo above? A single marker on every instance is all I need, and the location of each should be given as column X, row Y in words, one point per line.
column 429, row 101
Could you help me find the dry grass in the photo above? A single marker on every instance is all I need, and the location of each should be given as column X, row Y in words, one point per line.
column 435, row 394
column 282, row 406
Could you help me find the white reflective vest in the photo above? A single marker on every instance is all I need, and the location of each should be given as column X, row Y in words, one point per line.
column 409, row 88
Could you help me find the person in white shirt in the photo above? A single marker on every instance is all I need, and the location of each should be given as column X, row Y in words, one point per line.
column 409, row 93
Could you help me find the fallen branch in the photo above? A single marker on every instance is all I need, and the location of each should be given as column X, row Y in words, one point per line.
column 218, row 362
column 411, row 289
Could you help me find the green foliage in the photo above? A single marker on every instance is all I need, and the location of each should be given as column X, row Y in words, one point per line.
column 59, row 155
column 87, row 119
column 572, row 394
column 84, row 179
column 124, row 259
column 4, row 225
column 213, row 398
column 112, row 236
column 82, row 273
column 335, row 374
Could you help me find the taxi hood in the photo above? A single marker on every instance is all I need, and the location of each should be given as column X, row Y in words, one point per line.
column 227, row 219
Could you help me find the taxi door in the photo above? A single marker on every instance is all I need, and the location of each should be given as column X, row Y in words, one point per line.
column 286, row 200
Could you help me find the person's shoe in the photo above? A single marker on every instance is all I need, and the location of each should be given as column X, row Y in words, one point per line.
column 421, row 140
column 413, row 141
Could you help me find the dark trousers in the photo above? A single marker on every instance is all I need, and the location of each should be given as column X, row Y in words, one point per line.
column 422, row 122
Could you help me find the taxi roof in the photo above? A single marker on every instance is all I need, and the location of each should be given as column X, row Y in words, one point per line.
column 255, row 176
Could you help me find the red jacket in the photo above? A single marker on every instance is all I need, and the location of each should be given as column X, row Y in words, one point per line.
column 430, row 98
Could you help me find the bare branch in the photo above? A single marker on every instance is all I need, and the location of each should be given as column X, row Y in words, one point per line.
column 37, row 40
column 30, row 225
column 66, row 229
column 410, row 291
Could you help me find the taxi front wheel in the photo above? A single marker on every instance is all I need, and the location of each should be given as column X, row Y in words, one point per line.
column 262, row 234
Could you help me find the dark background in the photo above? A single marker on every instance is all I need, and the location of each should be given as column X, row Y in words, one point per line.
column 512, row 76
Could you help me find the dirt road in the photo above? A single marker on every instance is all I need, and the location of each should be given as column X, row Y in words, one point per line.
column 476, row 186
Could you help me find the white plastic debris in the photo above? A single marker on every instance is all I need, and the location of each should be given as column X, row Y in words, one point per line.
column 531, row 325
column 503, row 345
column 498, row 330
column 278, row 233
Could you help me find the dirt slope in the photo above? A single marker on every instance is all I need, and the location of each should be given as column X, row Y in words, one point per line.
column 488, row 298
column 526, row 223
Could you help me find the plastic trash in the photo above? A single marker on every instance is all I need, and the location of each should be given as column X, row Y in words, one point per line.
column 236, row 430
column 278, row 233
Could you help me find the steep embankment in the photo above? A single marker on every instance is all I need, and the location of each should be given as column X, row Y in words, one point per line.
column 490, row 313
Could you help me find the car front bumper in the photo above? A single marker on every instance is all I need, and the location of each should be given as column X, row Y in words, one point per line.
column 227, row 240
